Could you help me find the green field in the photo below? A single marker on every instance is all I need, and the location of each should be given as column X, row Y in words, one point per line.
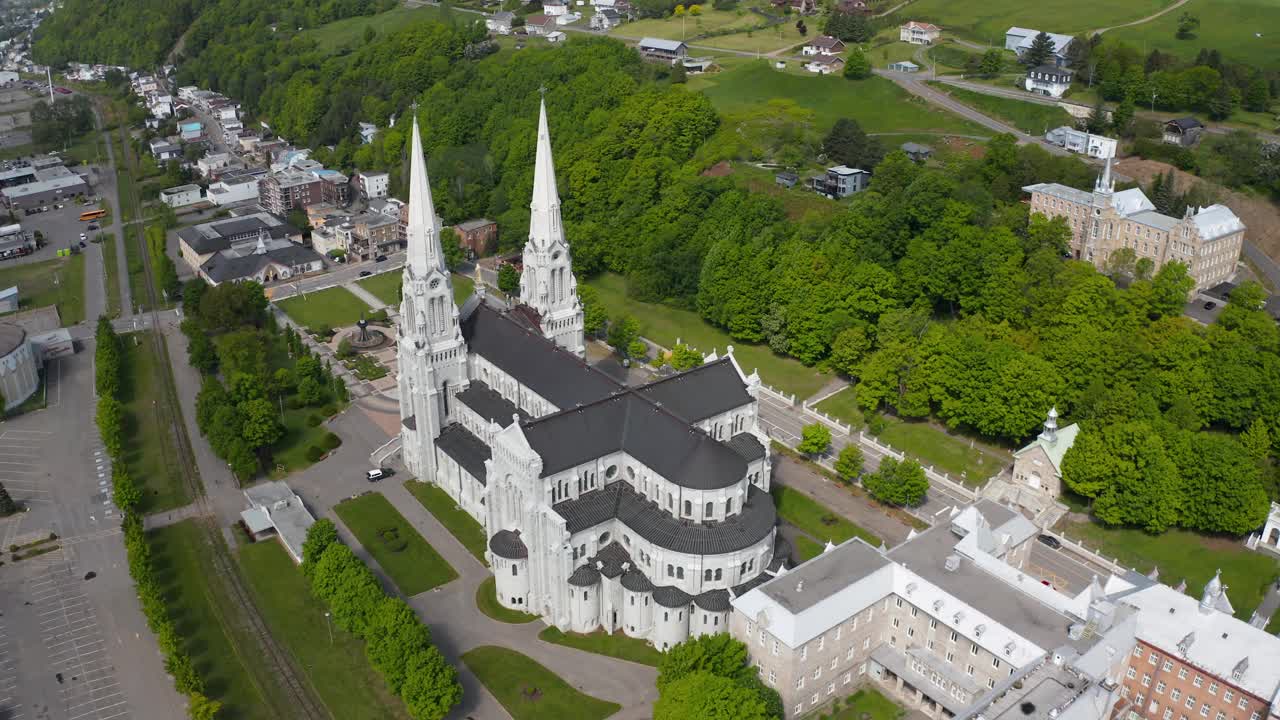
column 844, row 407
column 487, row 601
column 877, row 104
column 664, row 325
column 965, row 460
column 151, row 453
column 402, row 553
column 806, row 548
column 336, row 307
column 529, row 691
column 1184, row 555
column 1029, row 117
column 599, row 642
column 386, row 287
column 868, row 704
column 456, row 520
column 222, row 647
column 332, row 36
column 987, row 20
column 816, row 519
column 289, row 453
column 51, row 282
column 688, row 27
column 335, row 664
column 1229, row 26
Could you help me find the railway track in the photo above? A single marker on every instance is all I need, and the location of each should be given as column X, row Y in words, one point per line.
column 303, row 700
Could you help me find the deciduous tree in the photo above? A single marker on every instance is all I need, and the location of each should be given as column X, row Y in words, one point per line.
column 814, row 439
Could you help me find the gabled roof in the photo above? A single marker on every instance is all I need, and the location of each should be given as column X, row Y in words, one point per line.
column 1060, row 41
column 1186, row 123
column 660, row 44
column 488, row 404
column 921, row 26
column 825, row 41
column 1057, row 449
column 700, row 393
column 466, row 449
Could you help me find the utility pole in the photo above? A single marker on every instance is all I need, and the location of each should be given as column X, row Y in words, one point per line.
column 1153, row 101
column 48, row 73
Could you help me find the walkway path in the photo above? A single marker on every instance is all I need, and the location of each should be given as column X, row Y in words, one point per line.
column 174, row 516
column 117, row 229
column 370, row 299
column 795, row 475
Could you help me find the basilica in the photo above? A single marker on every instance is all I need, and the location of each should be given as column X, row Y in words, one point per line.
column 643, row 509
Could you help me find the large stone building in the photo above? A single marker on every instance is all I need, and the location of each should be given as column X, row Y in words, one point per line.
column 955, row 622
column 1207, row 239
column 635, row 509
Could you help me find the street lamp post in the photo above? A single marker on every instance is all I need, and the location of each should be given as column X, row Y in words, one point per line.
column 329, row 622
column 1153, row 100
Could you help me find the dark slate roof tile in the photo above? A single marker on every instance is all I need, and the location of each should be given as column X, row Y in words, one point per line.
column 671, row 596
column 507, row 544
column 584, row 576
column 610, row 559
column 713, row 600
column 636, row 581
column 466, row 449
column 700, row 393
column 488, row 404
column 746, row 445
column 656, row 525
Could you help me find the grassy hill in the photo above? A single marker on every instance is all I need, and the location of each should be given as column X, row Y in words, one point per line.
column 987, row 20
column 1230, row 26
column 350, row 31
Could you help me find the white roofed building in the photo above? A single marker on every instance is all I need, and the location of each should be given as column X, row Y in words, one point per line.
column 1019, row 40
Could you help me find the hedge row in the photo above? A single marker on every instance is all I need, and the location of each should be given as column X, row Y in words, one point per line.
column 109, row 360
column 397, row 642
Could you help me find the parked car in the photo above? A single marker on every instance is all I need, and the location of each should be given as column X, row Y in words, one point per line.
column 81, row 243
column 365, row 273
column 380, row 258
column 93, row 226
column 1210, row 305
column 1049, row 541
column 83, row 236
column 378, row 474
column 62, row 91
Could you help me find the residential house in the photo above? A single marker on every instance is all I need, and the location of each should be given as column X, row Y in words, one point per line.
column 840, row 181
column 372, row 184
column 823, row 45
column 1207, row 240
column 210, row 165
column 800, row 7
column 825, row 65
column 1183, row 131
column 500, row 22
column 162, row 150
column 1083, row 142
column 852, row 7
column 606, row 19
column 1051, row 80
column 367, row 132
column 1019, row 40
column 555, row 36
column 375, row 234
column 480, row 236
column 663, row 50
column 182, row 196
column 918, row 33
column 540, row 24
column 904, row 66
column 234, row 187
column 786, row 179
column 554, row 8
column 191, row 131
column 917, row 152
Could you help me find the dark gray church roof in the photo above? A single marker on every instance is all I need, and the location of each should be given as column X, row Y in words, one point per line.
column 507, row 544
column 584, row 576
column 700, row 393
column 671, row 596
column 488, row 404
column 655, row 524
column 611, row 558
column 713, row 600
column 746, row 445
column 636, row 581
column 552, row 372
column 466, row 449
column 678, row 452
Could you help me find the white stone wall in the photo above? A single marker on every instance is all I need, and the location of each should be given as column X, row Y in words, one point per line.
column 511, row 581
column 508, row 387
column 670, row 626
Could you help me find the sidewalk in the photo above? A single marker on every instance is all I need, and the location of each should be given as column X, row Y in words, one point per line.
column 370, row 299
column 791, row 473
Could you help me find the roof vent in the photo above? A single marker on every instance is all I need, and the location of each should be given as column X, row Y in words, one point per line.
column 800, row 586
column 911, row 587
column 979, row 630
column 953, row 563
column 937, row 605
column 955, row 619
column 1009, row 647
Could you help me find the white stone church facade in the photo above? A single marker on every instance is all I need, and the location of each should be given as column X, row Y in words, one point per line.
column 640, row 509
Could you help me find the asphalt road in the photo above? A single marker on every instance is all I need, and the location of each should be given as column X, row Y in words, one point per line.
column 75, row 646
column 340, row 275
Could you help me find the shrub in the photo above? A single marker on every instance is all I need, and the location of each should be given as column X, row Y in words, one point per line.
column 331, row 441
column 314, row 454
column 329, row 410
column 314, row 420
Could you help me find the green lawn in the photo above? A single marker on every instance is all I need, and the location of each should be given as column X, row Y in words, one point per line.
column 150, row 453
column 1273, row 625
column 386, row 287
column 222, row 647
column 529, row 691
column 1230, row 26
column 411, row 562
column 111, row 265
column 350, row 31
column 1029, row 117
column 877, row 104
column 798, row 201
column 987, row 20
column 688, row 27
column 289, row 453
column 599, row 642
column 965, row 460
column 456, row 520
column 487, row 601
column 868, row 704
column 843, row 406
column 1184, row 555
column 807, row 548
column 664, row 325
column 51, row 282
column 335, row 664
column 336, row 307
column 816, row 519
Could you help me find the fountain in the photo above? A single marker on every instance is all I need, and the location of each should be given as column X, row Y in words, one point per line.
column 364, row 338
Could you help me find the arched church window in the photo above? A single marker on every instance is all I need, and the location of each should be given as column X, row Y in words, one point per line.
column 707, row 511
column 688, row 507
column 513, row 570
column 679, row 573
column 604, row 538
column 631, row 473
column 611, row 471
